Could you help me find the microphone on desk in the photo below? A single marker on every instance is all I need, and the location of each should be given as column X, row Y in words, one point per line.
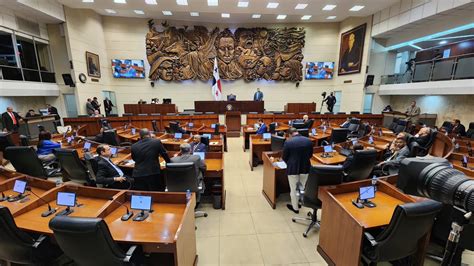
column 129, row 213
column 3, row 198
column 49, row 211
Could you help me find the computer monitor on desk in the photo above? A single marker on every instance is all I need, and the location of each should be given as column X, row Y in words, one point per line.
column 67, row 199
column 141, row 203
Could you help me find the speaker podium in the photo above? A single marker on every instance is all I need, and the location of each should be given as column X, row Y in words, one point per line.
column 233, row 122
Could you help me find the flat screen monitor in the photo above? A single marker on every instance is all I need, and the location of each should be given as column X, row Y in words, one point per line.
column 267, row 135
column 191, row 124
column 213, row 125
column 87, row 145
column 464, row 158
column 313, row 131
column 142, row 203
column 128, row 68
column 178, row 135
column 366, row 193
column 354, row 142
column 328, row 148
column 44, row 111
column 209, row 136
column 371, row 139
column 69, row 139
column 19, row 186
column 319, row 70
column 201, row 154
column 113, row 150
column 66, row 199
column 134, row 131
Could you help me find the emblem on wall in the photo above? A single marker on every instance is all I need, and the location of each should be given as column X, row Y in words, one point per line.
column 247, row 53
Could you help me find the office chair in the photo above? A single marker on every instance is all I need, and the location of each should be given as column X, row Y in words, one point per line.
column 174, row 127
column 354, row 125
column 354, row 112
column 401, row 126
column 309, row 124
column 447, row 126
column 19, row 247
column 167, row 101
column 272, row 128
column 303, row 132
column 110, row 137
column 362, row 165
column 394, row 124
column 5, row 141
column 205, row 141
column 409, row 223
column 418, row 150
column 339, row 135
column 181, row 177
column 72, row 167
column 26, row 161
column 24, row 140
column 277, row 143
column 87, row 241
column 320, row 175
column 105, row 124
column 154, row 126
column 127, row 114
column 470, row 131
column 216, row 129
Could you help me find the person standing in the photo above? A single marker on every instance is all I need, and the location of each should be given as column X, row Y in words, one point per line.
column 146, row 172
column 297, row 153
column 11, row 120
column 54, row 111
column 258, row 96
column 330, row 101
column 96, row 104
column 89, row 107
column 413, row 113
column 108, row 106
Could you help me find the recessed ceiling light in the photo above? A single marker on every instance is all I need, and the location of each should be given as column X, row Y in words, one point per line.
column 281, row 16
column 110, row 11
column 272, row 5
column 194, row 14
column 331, row 17
column 256, row 16
column 301, row 6
column 225, row 15
column 443, row 42
column 151, row 2
column 139, row 12
column 356, row 8
column 305, row 17
column 88, row 1
column 212, row 2
column 120, row 1
column 329, row 7
column 167, row 13
column 182, row 2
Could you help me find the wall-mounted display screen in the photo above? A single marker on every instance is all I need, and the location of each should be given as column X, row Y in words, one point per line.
column 319, row 70
column 128, row 68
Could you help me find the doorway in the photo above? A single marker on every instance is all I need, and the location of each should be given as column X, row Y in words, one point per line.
column 70, row 103
column 337, row 106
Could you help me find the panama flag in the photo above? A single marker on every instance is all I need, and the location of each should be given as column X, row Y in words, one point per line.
column 216, row 83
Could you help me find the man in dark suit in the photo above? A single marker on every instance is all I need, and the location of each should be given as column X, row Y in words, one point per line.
column 258, row 96
column 54, row 111
column 109, row 174
column 11, row 120
column 185, row 156
column 95, row 103
column 350, row 158
column 458, row 128
column 197, row 145
column 145, row 153
column 330, row 101
column 423, row 137
column 262, row 127
column 108, row 106
column 297, row 153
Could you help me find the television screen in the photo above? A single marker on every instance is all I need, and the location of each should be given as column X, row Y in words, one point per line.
column 128, row 68
column 319, row 70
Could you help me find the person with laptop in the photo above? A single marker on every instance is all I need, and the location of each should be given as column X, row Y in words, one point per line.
column 297, row 153
column 185, row 155
column 145, row 153
column 350, row 157
column 197, row 145
column 262, row 128
column 109, row 174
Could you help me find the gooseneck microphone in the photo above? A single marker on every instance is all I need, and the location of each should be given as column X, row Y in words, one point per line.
column 3, row 198
column 49, row 211
column 129, row 213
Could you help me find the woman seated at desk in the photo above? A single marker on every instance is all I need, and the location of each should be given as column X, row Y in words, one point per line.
column 46, row 146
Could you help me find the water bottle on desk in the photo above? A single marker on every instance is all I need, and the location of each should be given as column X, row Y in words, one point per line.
column 188, row 195
column 374, row 182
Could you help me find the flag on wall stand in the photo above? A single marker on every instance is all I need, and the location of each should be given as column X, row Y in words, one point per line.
column 216, row 83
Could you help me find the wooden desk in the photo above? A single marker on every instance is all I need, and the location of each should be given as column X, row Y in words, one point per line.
column 257, row 146
column 250, row 130
column 233, row 122
column 343, row 225
column 221, row 107
column 456, row 160
column 300, row 107
column 335, row 158
column 150, row 108
column 6, row 174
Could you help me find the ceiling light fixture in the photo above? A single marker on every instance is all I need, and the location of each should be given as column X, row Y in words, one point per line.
column 194, row 14
column 272, row 5
column 139, row 12
column 443, row 42
column 120, row 1
column 182, row 2
column 329, row 7
column 256, row 16
column 151, row 2
column 281, row 16
column 225, row 15
column 243, row 4
column 212, row 2
column 306, row 17
column 88, row 1
column 167, row 13
column 110, row 11
column 356, row 8
column 331, row 17
column 301, row 6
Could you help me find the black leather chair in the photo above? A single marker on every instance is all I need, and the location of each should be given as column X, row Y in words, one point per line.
column 26, row 161
column 310, row 123
column 72, row 167
column 361, row 166
column 154, row 126
column 24, row 140
column 418, row 150
column 354, row 112
column 341, row 113
column 110, row 137
column 205, row 141
column 174, row 127
column 394, row 124
column 105, row 124
column 339, row 135
column 272, row 128
column 470, row 131
column 320, row 175
column 354, row 125
column 409, row 223
column 19, row 247
column 298, row 125
column 88, row 242
column 181, row 177
column 401, row 126
column 303, row 132
column 5, row 141
column 277, row 143
column 447, row 125
column 216, row 129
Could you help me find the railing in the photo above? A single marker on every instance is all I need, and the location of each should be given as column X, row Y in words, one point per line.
column 26, row 74
column 451, row 68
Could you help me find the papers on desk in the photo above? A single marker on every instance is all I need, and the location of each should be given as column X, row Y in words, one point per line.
column 281, row 165
column 213, row 143
column 129, row 162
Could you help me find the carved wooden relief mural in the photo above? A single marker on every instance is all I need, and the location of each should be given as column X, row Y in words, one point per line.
column 247, row 53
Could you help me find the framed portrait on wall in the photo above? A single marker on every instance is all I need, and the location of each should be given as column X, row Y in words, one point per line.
column 93, row 65
column 351, row 50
